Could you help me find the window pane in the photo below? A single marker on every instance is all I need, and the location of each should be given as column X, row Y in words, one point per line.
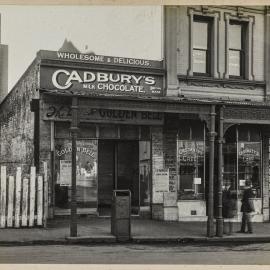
column 235, row 36
column 234, row 63
column 200, row 35
column 199, row 61
column 86, row 173
column 230, row 165
column 191, row 170
column 249, row 160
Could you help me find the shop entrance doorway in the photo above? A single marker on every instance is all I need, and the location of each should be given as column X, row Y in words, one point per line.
column 118, row 168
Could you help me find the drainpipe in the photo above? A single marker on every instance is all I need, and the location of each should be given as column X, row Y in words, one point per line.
column 219, row 219
column 34, row 106
column 212, row 134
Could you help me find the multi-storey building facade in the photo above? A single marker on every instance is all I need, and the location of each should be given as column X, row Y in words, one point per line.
column 173, row 131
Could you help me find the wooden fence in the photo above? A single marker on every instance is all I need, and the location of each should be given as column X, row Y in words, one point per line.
column 23, row 199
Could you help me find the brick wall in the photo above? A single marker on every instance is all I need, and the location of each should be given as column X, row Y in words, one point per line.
column 17, row 122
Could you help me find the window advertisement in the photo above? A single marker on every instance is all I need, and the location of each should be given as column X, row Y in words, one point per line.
column 249, row 165
column 86, row 173
column 191, row 160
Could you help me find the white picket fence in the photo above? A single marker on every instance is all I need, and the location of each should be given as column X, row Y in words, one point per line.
column 23, row 200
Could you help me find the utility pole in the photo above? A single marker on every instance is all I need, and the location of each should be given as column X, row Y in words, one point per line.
column 74, row 133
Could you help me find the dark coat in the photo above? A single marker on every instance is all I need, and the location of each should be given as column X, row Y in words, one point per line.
column 246, row 205
column 229, row 204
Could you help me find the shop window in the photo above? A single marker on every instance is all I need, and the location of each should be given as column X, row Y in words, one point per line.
column 86, row 173
column 236, row 49
column 242, row 158
column 191, row 162
column 201, row 46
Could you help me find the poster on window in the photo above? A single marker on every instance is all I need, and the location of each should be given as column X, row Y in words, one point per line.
column 65, row 176
column 86, row 168
column 190, row 153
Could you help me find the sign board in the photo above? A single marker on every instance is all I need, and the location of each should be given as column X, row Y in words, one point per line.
column 63, row 112
column 91, row 81
column 197, row 181
column 161, row 180
column 100, row 59
column 249, row 153
column 65, row 173
column 242, row 182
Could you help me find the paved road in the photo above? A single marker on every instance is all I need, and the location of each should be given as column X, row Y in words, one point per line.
column 138, row 254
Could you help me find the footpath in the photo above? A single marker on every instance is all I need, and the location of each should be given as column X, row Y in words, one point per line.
column 93, row 230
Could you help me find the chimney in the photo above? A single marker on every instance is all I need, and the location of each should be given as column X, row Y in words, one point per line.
column 3, row 68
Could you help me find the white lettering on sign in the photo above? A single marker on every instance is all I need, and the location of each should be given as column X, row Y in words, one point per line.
column 69, row 78
column 103, row 59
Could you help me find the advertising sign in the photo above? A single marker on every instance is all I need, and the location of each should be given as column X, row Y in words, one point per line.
column 86, row 168
column 161, row 180
column 249, row 153
column 88, row 81
column 63, row 112
column 190, row 152
column 100, row 59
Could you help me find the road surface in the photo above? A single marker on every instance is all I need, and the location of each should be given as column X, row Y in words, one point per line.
column 137, row 254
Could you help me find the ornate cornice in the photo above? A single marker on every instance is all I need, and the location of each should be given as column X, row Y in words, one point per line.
column 225, row 83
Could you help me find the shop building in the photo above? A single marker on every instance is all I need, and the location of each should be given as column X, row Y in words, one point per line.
column 173, row 132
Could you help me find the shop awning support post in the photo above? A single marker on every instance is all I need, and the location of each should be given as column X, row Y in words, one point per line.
column 212, row 134
column 219, row 220
column 74, row 133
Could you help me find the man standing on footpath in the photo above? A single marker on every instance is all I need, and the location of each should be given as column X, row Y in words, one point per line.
column 247, row 208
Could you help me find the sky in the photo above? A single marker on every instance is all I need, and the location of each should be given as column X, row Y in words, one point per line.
column 127, row 31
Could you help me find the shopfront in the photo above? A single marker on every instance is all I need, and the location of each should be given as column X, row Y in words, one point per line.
column 113, row 152
column 113, row 143
column 165, row 150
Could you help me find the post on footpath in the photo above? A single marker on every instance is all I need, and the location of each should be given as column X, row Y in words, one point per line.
column 212, row 134
column 74, row 133
column 219, row 219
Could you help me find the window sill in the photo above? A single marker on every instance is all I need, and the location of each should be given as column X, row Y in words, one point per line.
column 210, row 81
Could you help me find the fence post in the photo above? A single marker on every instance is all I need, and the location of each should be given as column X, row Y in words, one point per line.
column 39, row 200
column 25, row 201
column 18, row 196
column 32, row 196
column 3, row 197
column 45, row 215
column 10, row 201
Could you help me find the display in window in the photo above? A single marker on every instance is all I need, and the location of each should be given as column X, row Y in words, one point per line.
column 249, row 160
column 191, row 157
column 86, row 173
